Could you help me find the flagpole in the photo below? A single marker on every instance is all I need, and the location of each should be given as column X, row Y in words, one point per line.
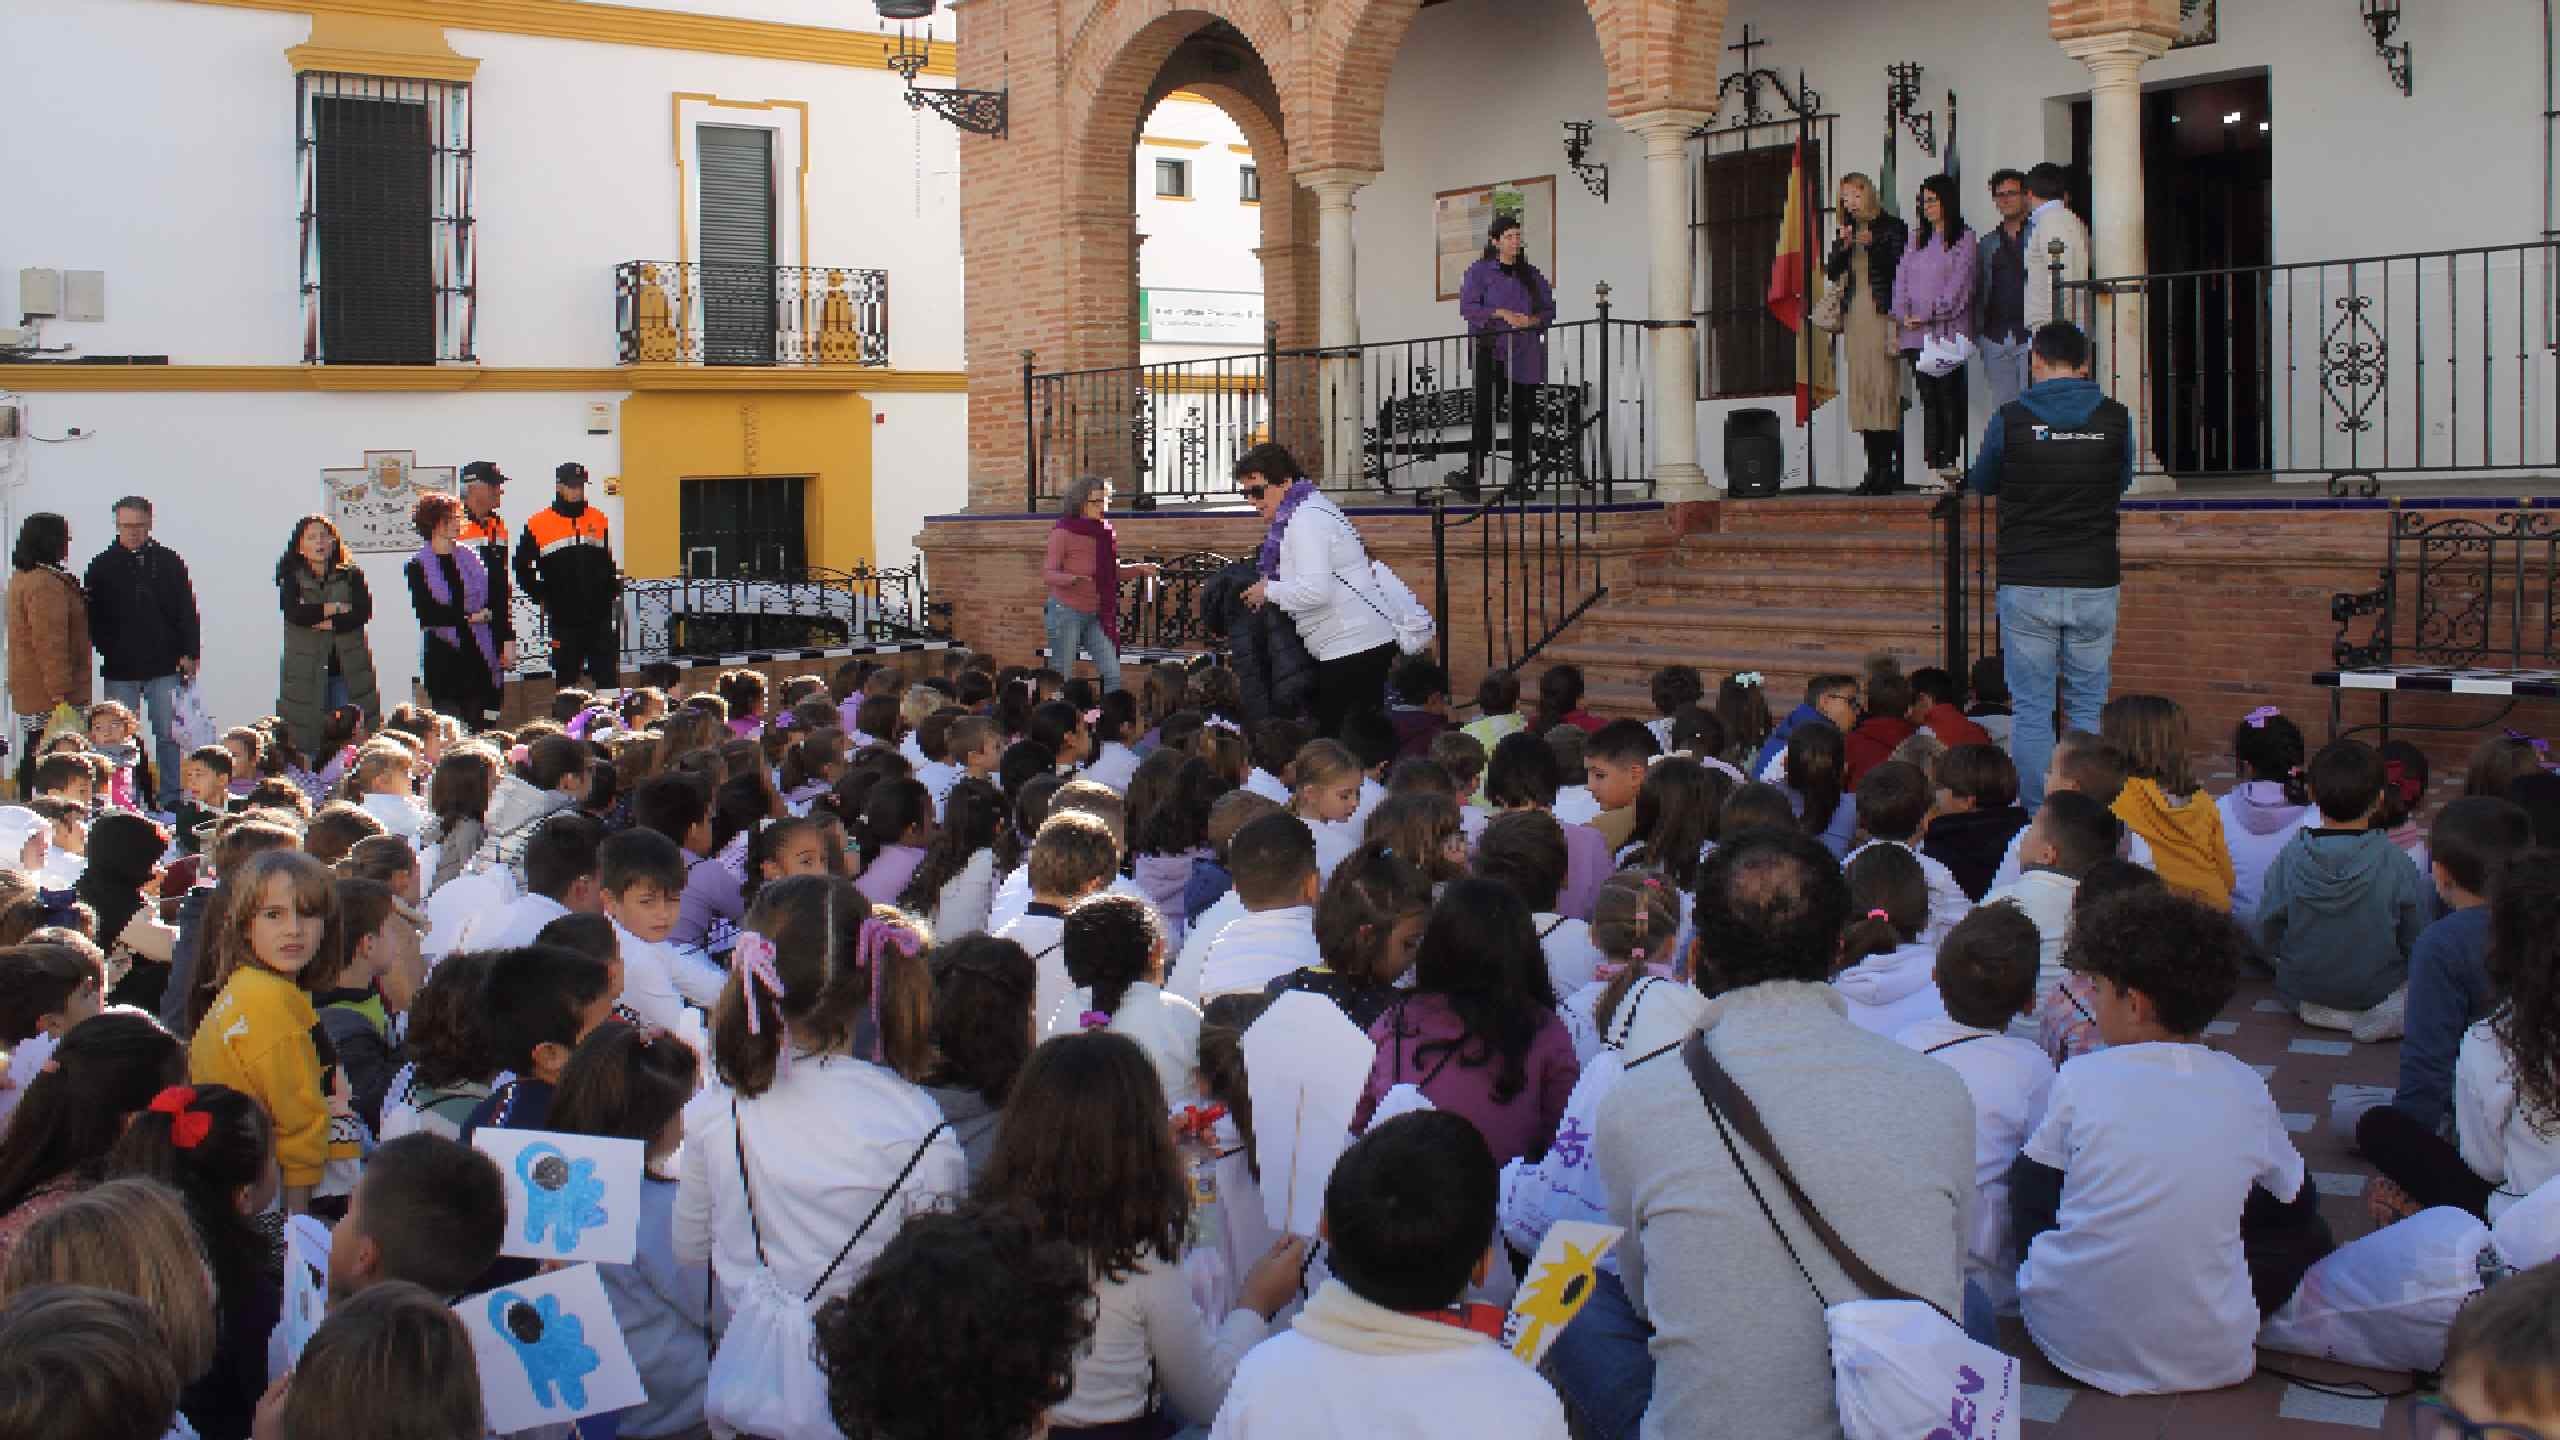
column 1805, row 326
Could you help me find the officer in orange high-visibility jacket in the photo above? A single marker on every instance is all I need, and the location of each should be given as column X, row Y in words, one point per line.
column 564, row 562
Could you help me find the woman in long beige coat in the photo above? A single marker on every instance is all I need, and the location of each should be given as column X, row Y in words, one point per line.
column 1865, row 255
column 48, row 632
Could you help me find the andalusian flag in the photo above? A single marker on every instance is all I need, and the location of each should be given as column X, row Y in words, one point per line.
column 1794, row 284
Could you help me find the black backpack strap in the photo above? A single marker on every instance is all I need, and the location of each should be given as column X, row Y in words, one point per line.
column 738, row 1137
column 1951, row 1044
column 1726, row 1099
column 885, row 1197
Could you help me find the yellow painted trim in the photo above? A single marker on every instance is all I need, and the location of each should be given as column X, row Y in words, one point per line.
column 251, row 379
column 366, row 45
column 1178, row 199
column 1171, row 143
column 630, row 25
column 675, row 111
column 1241, row 149
column 668, row 439
column 1189, row 97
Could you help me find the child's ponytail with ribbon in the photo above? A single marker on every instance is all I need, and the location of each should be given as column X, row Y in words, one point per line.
column 210, row 1143
column 816, row 962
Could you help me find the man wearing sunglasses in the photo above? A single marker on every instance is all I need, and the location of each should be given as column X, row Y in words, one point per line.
column 1315, row 569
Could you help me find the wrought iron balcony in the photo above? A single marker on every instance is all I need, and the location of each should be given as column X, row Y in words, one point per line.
column 672, row 312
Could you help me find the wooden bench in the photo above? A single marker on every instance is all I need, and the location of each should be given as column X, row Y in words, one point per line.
column 2464, row 606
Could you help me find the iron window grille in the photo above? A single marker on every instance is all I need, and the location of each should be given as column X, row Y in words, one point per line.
column 743, row 527
column 1744, row 350
column 1173, row 179
column 388, row 251
column 1249, row 183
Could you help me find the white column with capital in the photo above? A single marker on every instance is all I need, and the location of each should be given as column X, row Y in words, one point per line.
column 1674, row 396
column 2115, row 62
column 1338, row 320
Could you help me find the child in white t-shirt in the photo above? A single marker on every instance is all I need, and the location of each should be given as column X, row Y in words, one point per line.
column 1986, row 974
column 2148, row 1155
column 1384, row 1350
column 1273, row 860
column 1114, row 950
column 1328, row 792
column 2069, row 834
column 1893, row 804
column 1072, row 857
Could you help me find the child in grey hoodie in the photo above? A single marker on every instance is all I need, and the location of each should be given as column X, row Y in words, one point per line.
column 2341, row 910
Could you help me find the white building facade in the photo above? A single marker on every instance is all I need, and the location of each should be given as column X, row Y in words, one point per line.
column 705, row 250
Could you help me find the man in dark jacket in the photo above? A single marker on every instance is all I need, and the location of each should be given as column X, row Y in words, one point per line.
column 2059, row 457
column 564, row 563
column 142, row 617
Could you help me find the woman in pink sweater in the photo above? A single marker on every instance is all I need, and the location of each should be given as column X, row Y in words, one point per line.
column 1083, row 570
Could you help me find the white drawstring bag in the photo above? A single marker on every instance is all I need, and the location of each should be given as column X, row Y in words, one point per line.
column 2386, row 1301
column 1942, row 355
column 764, row 1377
column 1901, row 1368
column 192, row 724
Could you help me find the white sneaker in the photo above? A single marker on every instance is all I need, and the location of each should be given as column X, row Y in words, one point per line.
column 2386, row 1021
column 2322, row 1017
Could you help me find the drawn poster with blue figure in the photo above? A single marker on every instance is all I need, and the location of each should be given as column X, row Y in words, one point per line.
column 569, row 1197
column 549, row 1351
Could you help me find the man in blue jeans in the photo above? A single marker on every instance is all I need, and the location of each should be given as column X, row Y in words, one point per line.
column 2058, row 457
column 142, row 612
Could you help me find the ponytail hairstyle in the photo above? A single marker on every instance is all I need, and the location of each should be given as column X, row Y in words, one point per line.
column 1888, row 903
column 1817, row 770
column 383, row 858
column 1150, row 791
column 1226, row 752
column 814, row 962
column 460, row 786
column 1223, row 1022
column 893, row 808
column 107, row 1068
column 1415, row 827
column 1013, row 709
column 1320, row 762
column 1117, row 721
column 778, row 738
column 973, row 819
column 626, row 1083
column 984, row 991
column 810, row 757
column 1161, row 693
column 2524, row 971
column 375, row 760
column 737, row 806
column 1180, row 822
column 766, row 844
column 1372, row 891
column 1215, row 690
column 2404, row 784
column 1696, row 731
column 210, row 1143
column 1111, row 942
column 1480, row 955
column 1635, row 922
column 2152, row 732
column 2269, row 747
column 1678, row 813
column 1742, row 703
column 1559, row 694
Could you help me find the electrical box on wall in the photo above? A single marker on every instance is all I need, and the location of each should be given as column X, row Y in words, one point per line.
column 39, row 293
column 84, row 294
column 600, row 417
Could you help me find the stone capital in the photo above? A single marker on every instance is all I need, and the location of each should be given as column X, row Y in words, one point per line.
column 2124, row 50
column 1334, row 186
column 1662, row 128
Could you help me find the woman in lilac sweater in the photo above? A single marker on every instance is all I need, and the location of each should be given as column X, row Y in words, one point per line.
column 1083, row 570
column 1933, row 296
column 1478, row 1033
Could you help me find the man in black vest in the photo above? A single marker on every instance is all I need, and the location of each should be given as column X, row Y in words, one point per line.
column 2058, row 457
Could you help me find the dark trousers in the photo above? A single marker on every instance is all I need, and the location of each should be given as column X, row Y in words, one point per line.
column 1350, row 685
column 2279, row 1239
column 1942, row 416
column 1491, row 377
column 586, row 648
column 1884, row 458
column 2420, row 1161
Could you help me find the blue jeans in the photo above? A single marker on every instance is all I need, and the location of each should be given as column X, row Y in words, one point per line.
column 2004, row 368
column 2051, row 633
column 161, row 695
column 1071, row 630
column 1603, row 1363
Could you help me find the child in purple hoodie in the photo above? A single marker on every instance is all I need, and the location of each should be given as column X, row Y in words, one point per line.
column 2270, row 804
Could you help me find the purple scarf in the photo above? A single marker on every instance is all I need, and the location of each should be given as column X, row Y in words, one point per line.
column 475, row 597
column 1106, row 568
column 1268, row 562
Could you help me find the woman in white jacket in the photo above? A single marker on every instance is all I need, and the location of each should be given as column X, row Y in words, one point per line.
column 1315, row 568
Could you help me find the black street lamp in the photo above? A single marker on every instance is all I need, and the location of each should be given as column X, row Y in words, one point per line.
column 2382, row 17
column 974, row 112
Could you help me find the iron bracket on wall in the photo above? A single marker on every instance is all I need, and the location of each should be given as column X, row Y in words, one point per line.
column 1577, row 152
column 1902, row 99
column 2382, row 17
column 974, row 112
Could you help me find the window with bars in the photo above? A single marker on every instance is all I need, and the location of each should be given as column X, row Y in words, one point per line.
column 1249, row 184
column 387, row 245
column 1734, row 234
column 1173, row 179
column 743, row 527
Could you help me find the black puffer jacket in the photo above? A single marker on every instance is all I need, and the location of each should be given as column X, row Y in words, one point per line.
column 1272, row 665
column 1887, row 238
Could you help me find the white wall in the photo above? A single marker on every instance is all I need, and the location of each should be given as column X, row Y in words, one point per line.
column 919, row 454
column 1206, row 242
column 2359, row 170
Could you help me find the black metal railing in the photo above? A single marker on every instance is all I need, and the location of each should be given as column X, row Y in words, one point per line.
column 1162, row 612
column 1965, row 550
column 1399, row 416
column 1536, row 563
column 2434, row 362
column 808, row 609
column 671, row 312
column 2460, row 591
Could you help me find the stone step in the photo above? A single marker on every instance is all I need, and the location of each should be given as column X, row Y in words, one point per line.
column 1716, row 580
column 1773, row 629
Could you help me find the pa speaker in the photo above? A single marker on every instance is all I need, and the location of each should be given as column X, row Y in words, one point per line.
column 1754, row 457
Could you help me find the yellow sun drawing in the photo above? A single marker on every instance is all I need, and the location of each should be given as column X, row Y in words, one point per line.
column 1554, row 1296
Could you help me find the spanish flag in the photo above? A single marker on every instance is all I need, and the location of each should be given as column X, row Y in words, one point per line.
column 1794, row 284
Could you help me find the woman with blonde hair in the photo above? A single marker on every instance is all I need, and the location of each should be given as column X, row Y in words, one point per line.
column 133, row 1237
column 1866, row 254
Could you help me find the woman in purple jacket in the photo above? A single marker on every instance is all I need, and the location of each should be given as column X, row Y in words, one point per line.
column 1508, row 306
column 1933, row 296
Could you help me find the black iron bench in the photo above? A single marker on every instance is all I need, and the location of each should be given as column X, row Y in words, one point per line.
column 2464, row 607
column 1429, row 423
column 1161, row 622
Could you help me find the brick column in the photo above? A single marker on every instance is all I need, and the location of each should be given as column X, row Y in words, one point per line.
column 2115, row 59
column 1338, row 320
column 1674, row 399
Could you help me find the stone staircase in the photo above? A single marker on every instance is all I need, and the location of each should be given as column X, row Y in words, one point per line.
column 1791, row 588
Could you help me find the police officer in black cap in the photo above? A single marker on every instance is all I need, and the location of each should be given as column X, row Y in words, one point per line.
column 484, row 487
column 564, row 561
